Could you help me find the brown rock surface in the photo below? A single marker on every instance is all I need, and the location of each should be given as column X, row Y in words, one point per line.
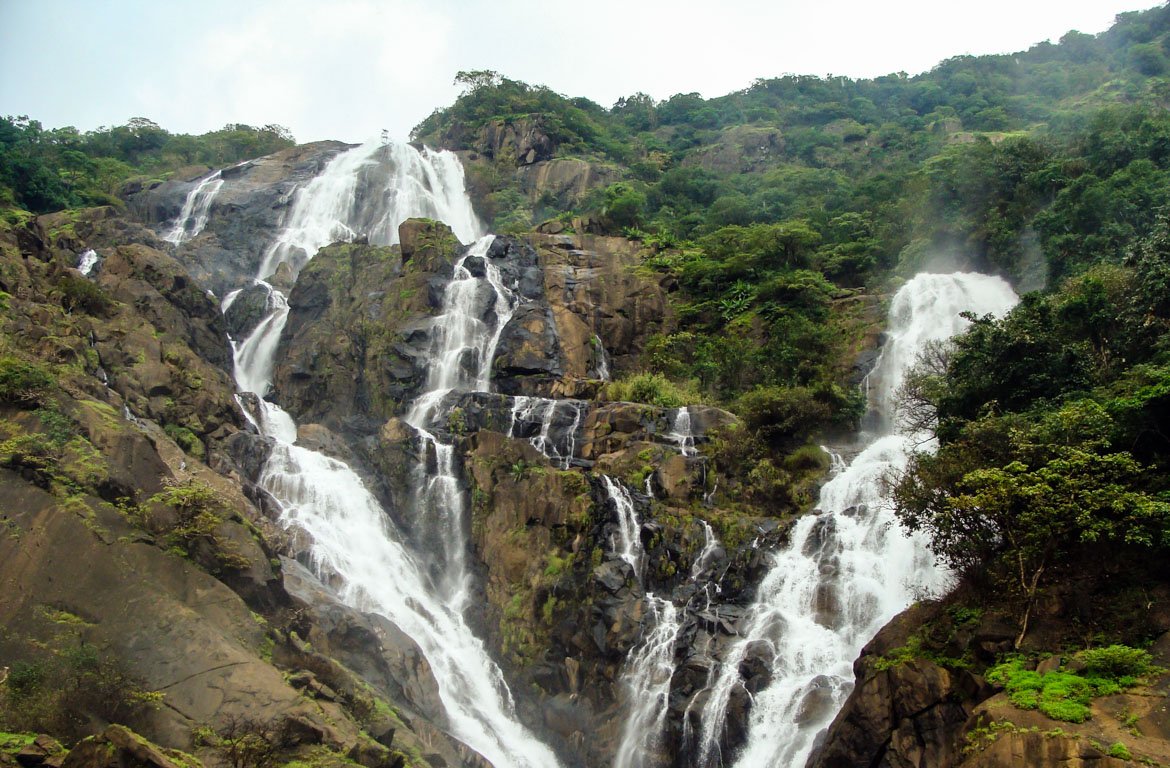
column 181, row 631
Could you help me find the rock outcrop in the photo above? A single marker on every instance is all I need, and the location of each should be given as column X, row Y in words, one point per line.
column 933, row 708
column 138, row 568
column 245, row 215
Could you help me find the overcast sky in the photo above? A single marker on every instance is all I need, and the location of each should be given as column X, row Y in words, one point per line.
column 345, row 69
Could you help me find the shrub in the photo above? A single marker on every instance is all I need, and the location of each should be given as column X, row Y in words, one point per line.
column 22, row 383
column 780, row 415
column 1120, row 751
column 79, row 293
column 1116, row 661
column 34, row 456
column 1063, row 695
column 64, row 688
column 185, row 439
column 194, row 529
column 652, row 389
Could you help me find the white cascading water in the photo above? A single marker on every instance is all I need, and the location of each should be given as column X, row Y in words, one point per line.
column 560, row 445
column 649, row 667
column 849, row 569
column 87, row 261
column 370, row 190
column 458, row 332
column 602, row 366
column 196, row 209
column 628, row 545
column 355, row 547
column 681, row 432
column 646, row 680
column 710, row 544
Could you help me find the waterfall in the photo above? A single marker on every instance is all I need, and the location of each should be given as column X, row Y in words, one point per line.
column 646, row 681
column 601, row 367
column 467, row 331
column 196, row 209
column 681, row 432
column 849, row 569
column 555, row 435
column 87, row 261
column 649, row 668
column 355, row 546
column 369, row 191
column 710, row 542
column 629, row 541
column 254, row 355
column 465, row 328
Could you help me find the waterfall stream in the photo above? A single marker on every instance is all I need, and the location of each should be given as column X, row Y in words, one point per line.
column 468, row 327
column 548, row 428
column 845, row 572
column 196, row 209
column 848, row 569
column 355, row 546
column 681, row 432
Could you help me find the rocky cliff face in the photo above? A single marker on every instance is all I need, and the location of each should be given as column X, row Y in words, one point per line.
column 540, row 458
column 522, row 148
column 244, row 216
column 921, row 700
column 135, row 528
column 355, row 349
column 138, row 564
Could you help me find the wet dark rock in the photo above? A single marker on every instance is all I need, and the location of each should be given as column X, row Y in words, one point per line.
column 614, row 575
column 246, row 311
column 43, row 751
column 246, row 214
column 529, row 344
column 118, row 747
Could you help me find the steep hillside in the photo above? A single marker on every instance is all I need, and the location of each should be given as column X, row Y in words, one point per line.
column 298, row 469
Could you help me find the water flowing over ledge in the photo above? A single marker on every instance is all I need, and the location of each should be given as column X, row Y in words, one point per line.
column 355, row 546
column 848, row 569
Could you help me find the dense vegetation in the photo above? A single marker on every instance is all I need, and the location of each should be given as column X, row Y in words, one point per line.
column 778, row 209
column 43, row 170
column 772, row 207
column 1052, row 420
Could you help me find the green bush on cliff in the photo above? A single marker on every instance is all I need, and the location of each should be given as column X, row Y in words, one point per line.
column 78, row 293
column 193, row 525
column 23, row 383
column 62, row 686
column 651, row 389
column 1065, row 695
column 1117, row 661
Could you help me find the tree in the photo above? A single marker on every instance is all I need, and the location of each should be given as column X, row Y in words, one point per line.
column 624, row 205
column 477, row 79
column 1017, row 497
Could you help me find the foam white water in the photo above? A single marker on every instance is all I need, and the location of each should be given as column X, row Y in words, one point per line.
column 602, row 364
column 681, row 432
column 555, row 439
column 254, row 355
column 368, row 191
column 465, row 336
column 355, row 547
column 646, row 683
column 87, row 261
column 849, row 569
column 196, row 210
column 710, row 544
column 628, row 545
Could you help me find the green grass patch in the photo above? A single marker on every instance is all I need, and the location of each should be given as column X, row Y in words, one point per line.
column 1066, row 695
